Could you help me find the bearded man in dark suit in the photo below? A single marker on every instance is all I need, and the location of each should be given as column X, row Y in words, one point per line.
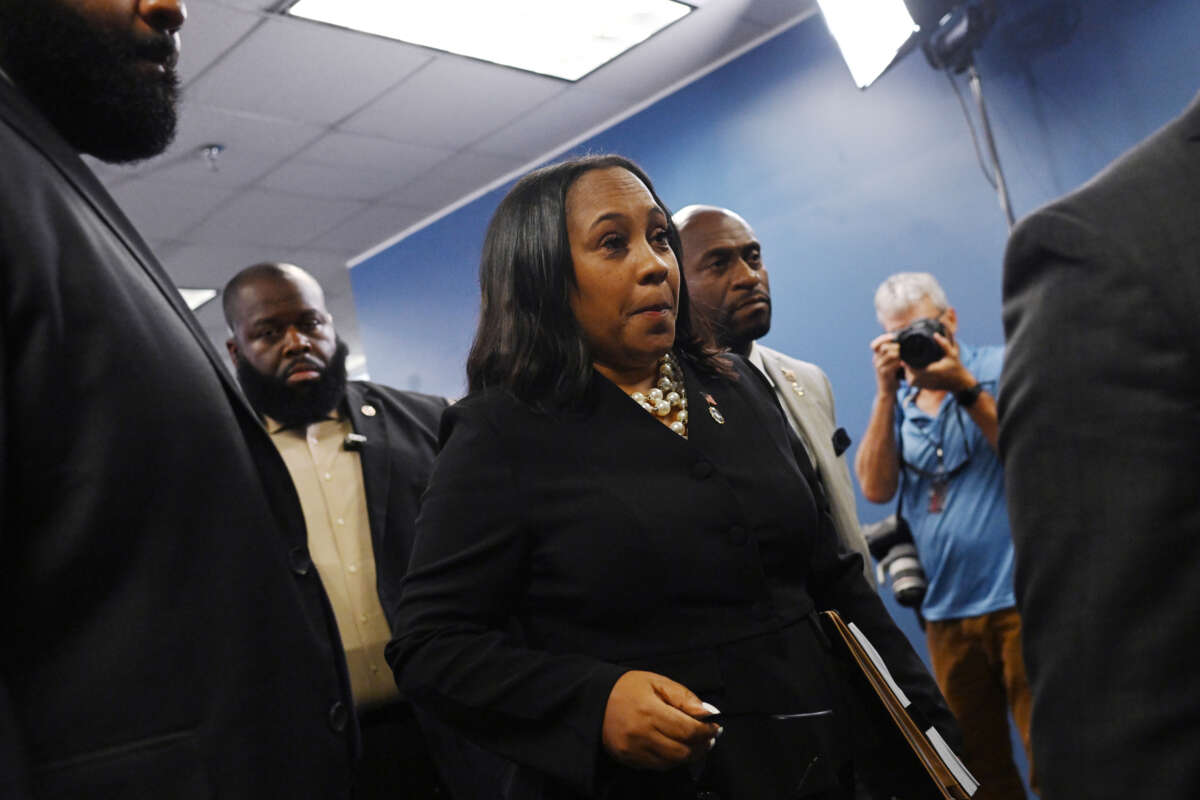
column 1100, row 435
column 360, row 454
column 166, row 633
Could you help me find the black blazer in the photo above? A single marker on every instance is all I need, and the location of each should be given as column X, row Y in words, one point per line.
column 556, row 551
column 1100, row 436
column 397, row 459
column 165, row 632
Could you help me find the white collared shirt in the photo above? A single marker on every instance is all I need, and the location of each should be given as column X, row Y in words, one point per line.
column 329, row 480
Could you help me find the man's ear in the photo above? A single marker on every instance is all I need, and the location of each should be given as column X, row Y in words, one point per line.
column 951, row 319
column 231, row 346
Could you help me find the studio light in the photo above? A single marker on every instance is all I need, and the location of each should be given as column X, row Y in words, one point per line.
column 872, row 34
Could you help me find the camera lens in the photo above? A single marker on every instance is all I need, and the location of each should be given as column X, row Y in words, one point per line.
column 918, row 348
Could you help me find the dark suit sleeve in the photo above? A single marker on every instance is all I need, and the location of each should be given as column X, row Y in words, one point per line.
column 1101, row 446
column 453, row 651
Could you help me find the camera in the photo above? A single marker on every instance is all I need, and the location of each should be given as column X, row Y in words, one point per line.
column 918, row 348
column 891, row 544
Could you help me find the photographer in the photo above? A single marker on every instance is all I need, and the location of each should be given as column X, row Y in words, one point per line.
column 932, row 436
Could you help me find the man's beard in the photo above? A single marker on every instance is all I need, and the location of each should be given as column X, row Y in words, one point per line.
column 296, row 405
column 87, row 79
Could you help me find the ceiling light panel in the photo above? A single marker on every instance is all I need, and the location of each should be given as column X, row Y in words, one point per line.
column 562, row 38
column 197, row 297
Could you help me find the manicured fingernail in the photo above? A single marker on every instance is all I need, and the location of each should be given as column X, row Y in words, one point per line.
column 712, row 743
column 720, row 730
column 710, row 708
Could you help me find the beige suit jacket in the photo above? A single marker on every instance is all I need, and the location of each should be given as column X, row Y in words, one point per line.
column 807, row 398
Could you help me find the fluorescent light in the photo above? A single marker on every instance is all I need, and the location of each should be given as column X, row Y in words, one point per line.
column 563, row 38
column 197, row 297
column 870, row 34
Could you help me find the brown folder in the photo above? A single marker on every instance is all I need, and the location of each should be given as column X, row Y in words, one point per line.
column 950, row 777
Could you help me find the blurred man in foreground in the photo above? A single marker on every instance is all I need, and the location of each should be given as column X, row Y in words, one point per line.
column 166, row 634
column 1100, row 433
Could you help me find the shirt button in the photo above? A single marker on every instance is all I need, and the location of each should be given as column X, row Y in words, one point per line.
column 701, row 470
column 352, row 568
column 737, row 535
column 339, row 715
column 341, row 521
column 300, row 561
column 328, row 477
column 374, row 668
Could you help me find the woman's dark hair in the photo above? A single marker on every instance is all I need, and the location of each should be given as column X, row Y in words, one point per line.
column 528, row 340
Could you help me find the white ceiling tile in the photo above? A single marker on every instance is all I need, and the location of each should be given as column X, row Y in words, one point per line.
column 352, row 166
column 451, row 180
column 261, row 217
column 453, row 102
column 675, row 53
column 302, row 70
column 210, row 266
column 342, row 149
column 370, row 227
column 321, row 180
column 552, row 124
column 209, row 31
column 165, row 210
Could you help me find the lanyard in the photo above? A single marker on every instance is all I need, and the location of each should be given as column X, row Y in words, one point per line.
column 939, row 478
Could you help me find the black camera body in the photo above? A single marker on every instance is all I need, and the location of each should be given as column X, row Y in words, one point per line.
column 891, row 544
column 918, row 348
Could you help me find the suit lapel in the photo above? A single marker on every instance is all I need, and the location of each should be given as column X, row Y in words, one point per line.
column 788, row 385
column 34, row 128
column 367, row 419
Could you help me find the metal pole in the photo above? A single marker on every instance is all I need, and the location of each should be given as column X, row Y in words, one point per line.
column 1001, row 187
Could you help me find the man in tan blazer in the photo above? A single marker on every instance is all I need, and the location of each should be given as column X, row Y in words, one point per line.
column 727, row 283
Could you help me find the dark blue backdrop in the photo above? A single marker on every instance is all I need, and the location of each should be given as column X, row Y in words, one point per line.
column 843, row 187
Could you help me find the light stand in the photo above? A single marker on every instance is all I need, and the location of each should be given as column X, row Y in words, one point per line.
column 951, row 49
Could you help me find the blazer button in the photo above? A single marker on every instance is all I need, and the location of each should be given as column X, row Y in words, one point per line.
column 701, row 470
column 301, row 563
column 339, row 715
column 737, row 535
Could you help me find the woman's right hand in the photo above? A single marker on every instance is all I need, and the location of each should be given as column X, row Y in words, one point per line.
column 650, row 722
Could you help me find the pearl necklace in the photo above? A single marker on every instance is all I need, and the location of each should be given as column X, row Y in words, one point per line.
column 669, row 395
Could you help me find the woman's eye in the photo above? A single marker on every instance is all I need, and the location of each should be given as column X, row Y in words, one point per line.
column 612, row 242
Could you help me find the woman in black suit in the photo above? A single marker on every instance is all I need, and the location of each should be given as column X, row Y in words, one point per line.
column 619, row 537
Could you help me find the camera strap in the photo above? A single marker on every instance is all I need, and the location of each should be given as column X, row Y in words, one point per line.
column 939, row 479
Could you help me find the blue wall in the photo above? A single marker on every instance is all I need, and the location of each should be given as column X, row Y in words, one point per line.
column 843, row 187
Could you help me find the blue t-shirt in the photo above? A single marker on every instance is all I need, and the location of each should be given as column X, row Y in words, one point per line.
column 966, row 548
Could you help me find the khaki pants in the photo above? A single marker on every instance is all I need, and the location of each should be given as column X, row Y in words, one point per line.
column 978, row 666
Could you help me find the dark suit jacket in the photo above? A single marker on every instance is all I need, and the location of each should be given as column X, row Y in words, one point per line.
column 397, row 459
column 609, row 543
column 1100, row 435
column 165, row 632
